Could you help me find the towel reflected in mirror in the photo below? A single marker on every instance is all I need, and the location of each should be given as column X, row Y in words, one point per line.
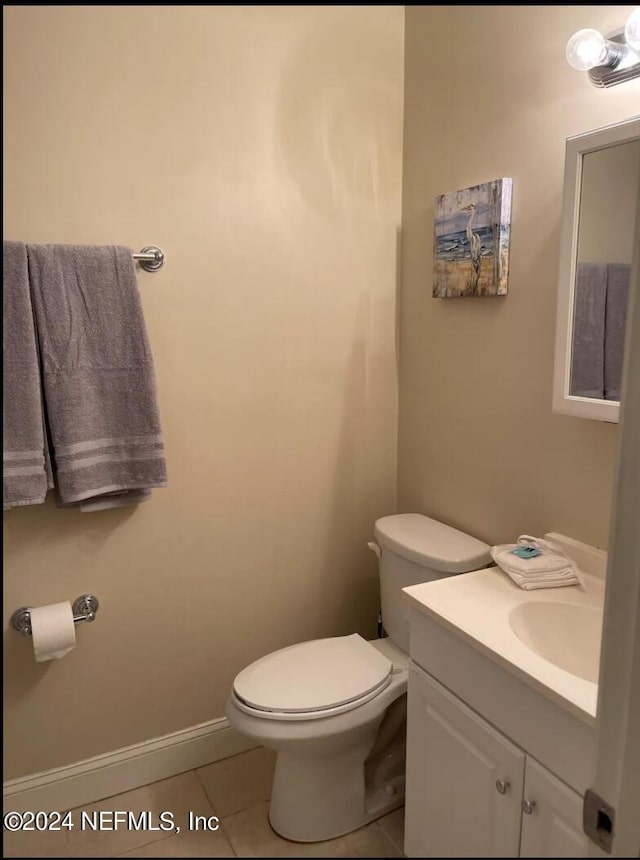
column 601, row 296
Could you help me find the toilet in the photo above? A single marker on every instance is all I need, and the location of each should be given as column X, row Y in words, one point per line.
column 334, row 709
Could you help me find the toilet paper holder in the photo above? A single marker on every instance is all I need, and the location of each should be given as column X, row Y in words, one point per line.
column 84, row 609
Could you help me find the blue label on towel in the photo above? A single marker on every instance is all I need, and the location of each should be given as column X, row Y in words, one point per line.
column 526, row 551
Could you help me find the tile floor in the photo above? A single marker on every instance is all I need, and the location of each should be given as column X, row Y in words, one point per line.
column 236, row 790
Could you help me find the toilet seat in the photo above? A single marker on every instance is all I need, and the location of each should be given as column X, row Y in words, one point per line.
column 312, row 679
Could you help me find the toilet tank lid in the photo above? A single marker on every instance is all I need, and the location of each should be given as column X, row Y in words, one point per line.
column 431, row 543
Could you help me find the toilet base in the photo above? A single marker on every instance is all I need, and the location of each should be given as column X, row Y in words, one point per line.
column 396, row 804
column 318, row 798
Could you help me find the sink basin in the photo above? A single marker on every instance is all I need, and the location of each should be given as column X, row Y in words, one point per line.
column 566, row 634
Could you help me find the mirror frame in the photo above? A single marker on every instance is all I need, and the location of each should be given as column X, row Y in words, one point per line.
column 576, row 148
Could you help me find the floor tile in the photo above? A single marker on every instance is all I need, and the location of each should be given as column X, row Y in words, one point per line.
column 177, row 795
column 236, row 783
column 35, row 844
column 233, row 789
column 369, row 841
column 189, row 844
column 393, row 826
column 251, row 835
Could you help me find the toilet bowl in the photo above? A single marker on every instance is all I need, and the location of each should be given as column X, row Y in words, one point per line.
column 335, row 769
column 334, row 709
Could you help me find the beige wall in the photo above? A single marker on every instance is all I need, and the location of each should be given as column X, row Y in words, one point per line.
column 260, row 147
column 488, row 93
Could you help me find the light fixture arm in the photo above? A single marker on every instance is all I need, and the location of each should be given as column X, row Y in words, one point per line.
column 623, row 63
column 608, row 59
column 616, row 52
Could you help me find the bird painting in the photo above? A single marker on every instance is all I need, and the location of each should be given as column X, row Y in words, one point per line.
column 475, row 249
column 471, row 240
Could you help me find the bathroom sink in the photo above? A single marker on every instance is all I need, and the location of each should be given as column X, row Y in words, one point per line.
column 566, row 634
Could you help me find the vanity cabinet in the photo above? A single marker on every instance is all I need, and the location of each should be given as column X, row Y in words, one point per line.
column 471, row 791
column 455, row 759
column 554, row 826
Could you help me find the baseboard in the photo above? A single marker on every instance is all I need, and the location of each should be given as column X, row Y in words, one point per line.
column 122, row 770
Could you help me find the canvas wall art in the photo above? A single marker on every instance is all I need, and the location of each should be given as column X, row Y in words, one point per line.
column 471, row 243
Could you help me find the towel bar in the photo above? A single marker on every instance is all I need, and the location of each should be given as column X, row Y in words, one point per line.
column 150, row 258
column 84, row 609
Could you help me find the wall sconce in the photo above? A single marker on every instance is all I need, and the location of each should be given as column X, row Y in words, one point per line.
column 611, row 59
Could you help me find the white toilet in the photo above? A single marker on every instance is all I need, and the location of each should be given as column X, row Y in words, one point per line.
column 335, row 708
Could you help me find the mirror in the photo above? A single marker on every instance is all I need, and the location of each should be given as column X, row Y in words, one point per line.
column 600, row 206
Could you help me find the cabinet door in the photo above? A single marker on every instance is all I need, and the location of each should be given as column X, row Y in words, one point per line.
column 553, row 827
column 464, row 779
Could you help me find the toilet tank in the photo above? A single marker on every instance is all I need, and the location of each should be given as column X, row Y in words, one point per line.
column 411, row 549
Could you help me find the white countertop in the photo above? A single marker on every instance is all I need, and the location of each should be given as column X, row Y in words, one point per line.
column 476, row 607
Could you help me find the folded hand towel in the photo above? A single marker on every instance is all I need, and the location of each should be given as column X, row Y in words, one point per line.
column 552, row 568
column 98, row 375
column 25, row 476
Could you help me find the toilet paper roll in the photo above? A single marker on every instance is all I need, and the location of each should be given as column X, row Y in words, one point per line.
column 53, row 631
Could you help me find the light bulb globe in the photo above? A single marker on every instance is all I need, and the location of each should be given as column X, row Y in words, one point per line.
column 632, row 30
column 586, row 49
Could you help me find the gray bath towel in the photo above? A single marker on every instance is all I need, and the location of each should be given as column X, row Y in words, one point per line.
column 25, row 477
column 98, row 375
column 618, row 275
column 587, row 360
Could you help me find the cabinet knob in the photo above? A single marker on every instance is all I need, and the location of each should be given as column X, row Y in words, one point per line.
column 502, row 786
column 528, row 806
